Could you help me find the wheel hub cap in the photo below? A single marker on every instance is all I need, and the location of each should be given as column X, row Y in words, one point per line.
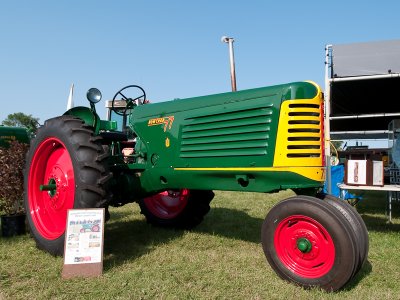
column 304, row 245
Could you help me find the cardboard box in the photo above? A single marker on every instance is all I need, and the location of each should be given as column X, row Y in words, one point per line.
column 364, row 172
column 377, row 173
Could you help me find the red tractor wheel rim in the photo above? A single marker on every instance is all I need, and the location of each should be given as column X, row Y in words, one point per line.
column 167, row 204
column 51, row 164
column 304, row 246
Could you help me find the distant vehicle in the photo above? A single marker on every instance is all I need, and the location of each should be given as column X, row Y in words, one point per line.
column 9, row 134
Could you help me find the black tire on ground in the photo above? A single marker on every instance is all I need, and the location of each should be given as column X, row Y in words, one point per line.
column 357, row 224
column 183, row 209
column 310, row 243
column 64, row 154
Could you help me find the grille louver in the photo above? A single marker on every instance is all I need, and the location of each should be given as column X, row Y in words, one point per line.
column 304, row 131
column 237, row 133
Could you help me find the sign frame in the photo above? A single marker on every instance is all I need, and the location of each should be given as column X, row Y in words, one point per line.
column 84, row 243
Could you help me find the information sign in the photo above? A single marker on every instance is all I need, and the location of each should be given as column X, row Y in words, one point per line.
column 83, row 247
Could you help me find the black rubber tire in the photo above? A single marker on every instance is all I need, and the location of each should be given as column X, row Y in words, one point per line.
column 357, row 224
column 198, row 205
column 309, row 209
column 90, row 169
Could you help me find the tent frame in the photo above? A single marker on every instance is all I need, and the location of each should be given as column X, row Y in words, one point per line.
column 330, row 79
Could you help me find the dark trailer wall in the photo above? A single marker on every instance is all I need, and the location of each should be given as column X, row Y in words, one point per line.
column 362, row 90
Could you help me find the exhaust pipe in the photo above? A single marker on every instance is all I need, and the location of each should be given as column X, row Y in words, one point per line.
column 230, row 41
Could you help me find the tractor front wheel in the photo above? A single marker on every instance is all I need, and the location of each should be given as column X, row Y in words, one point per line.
column 177, row 208
column 66, row 168
column 357, row 224
column 309, row 242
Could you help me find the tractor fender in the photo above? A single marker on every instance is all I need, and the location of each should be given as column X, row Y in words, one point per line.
column 87, row 115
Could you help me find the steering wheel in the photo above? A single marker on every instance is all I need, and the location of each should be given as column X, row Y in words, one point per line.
column 130, row 102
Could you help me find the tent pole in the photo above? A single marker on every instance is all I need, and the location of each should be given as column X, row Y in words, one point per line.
column 365, row 116
column 327, row 111
column 365, row 77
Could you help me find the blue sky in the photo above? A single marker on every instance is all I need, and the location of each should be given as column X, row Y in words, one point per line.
column 172, row 48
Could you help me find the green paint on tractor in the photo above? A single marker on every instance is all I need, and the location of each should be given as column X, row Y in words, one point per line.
column 208, row 142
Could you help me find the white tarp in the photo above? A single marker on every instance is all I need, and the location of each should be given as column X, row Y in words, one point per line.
column 372, row 58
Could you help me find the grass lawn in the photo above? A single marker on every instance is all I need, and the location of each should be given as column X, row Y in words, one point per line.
column 221, row 259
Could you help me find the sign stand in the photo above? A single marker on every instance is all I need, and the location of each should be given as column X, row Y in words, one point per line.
column 83, row 246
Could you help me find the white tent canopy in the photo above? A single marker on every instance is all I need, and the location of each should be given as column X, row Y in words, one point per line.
column 366, row 59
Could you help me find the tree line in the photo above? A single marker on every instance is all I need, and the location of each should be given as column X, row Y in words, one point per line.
column 22, row 120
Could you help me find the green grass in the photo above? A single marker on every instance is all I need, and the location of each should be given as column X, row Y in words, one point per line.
column 221, row 259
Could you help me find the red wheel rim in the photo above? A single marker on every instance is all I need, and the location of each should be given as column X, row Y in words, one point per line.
column 312, row 261
column 51, row 164
column 168, row 204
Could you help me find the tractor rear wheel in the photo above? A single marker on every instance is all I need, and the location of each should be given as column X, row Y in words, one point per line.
column 310, row 243
column 177, row 208
column 66, row 168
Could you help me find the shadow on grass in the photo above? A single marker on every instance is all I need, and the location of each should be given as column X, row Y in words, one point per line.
column 365, row 270
column 127, row 239
column 373, row 210
column 232, row 223
column 379, row 223
column 376, row 203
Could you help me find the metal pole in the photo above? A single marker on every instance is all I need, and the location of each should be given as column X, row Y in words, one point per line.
column 230, row 41
column 365, row 116
column 327, row 126
column 365, row 77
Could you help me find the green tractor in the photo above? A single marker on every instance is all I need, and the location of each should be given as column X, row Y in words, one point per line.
column 169, row 157
column 9, row 134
